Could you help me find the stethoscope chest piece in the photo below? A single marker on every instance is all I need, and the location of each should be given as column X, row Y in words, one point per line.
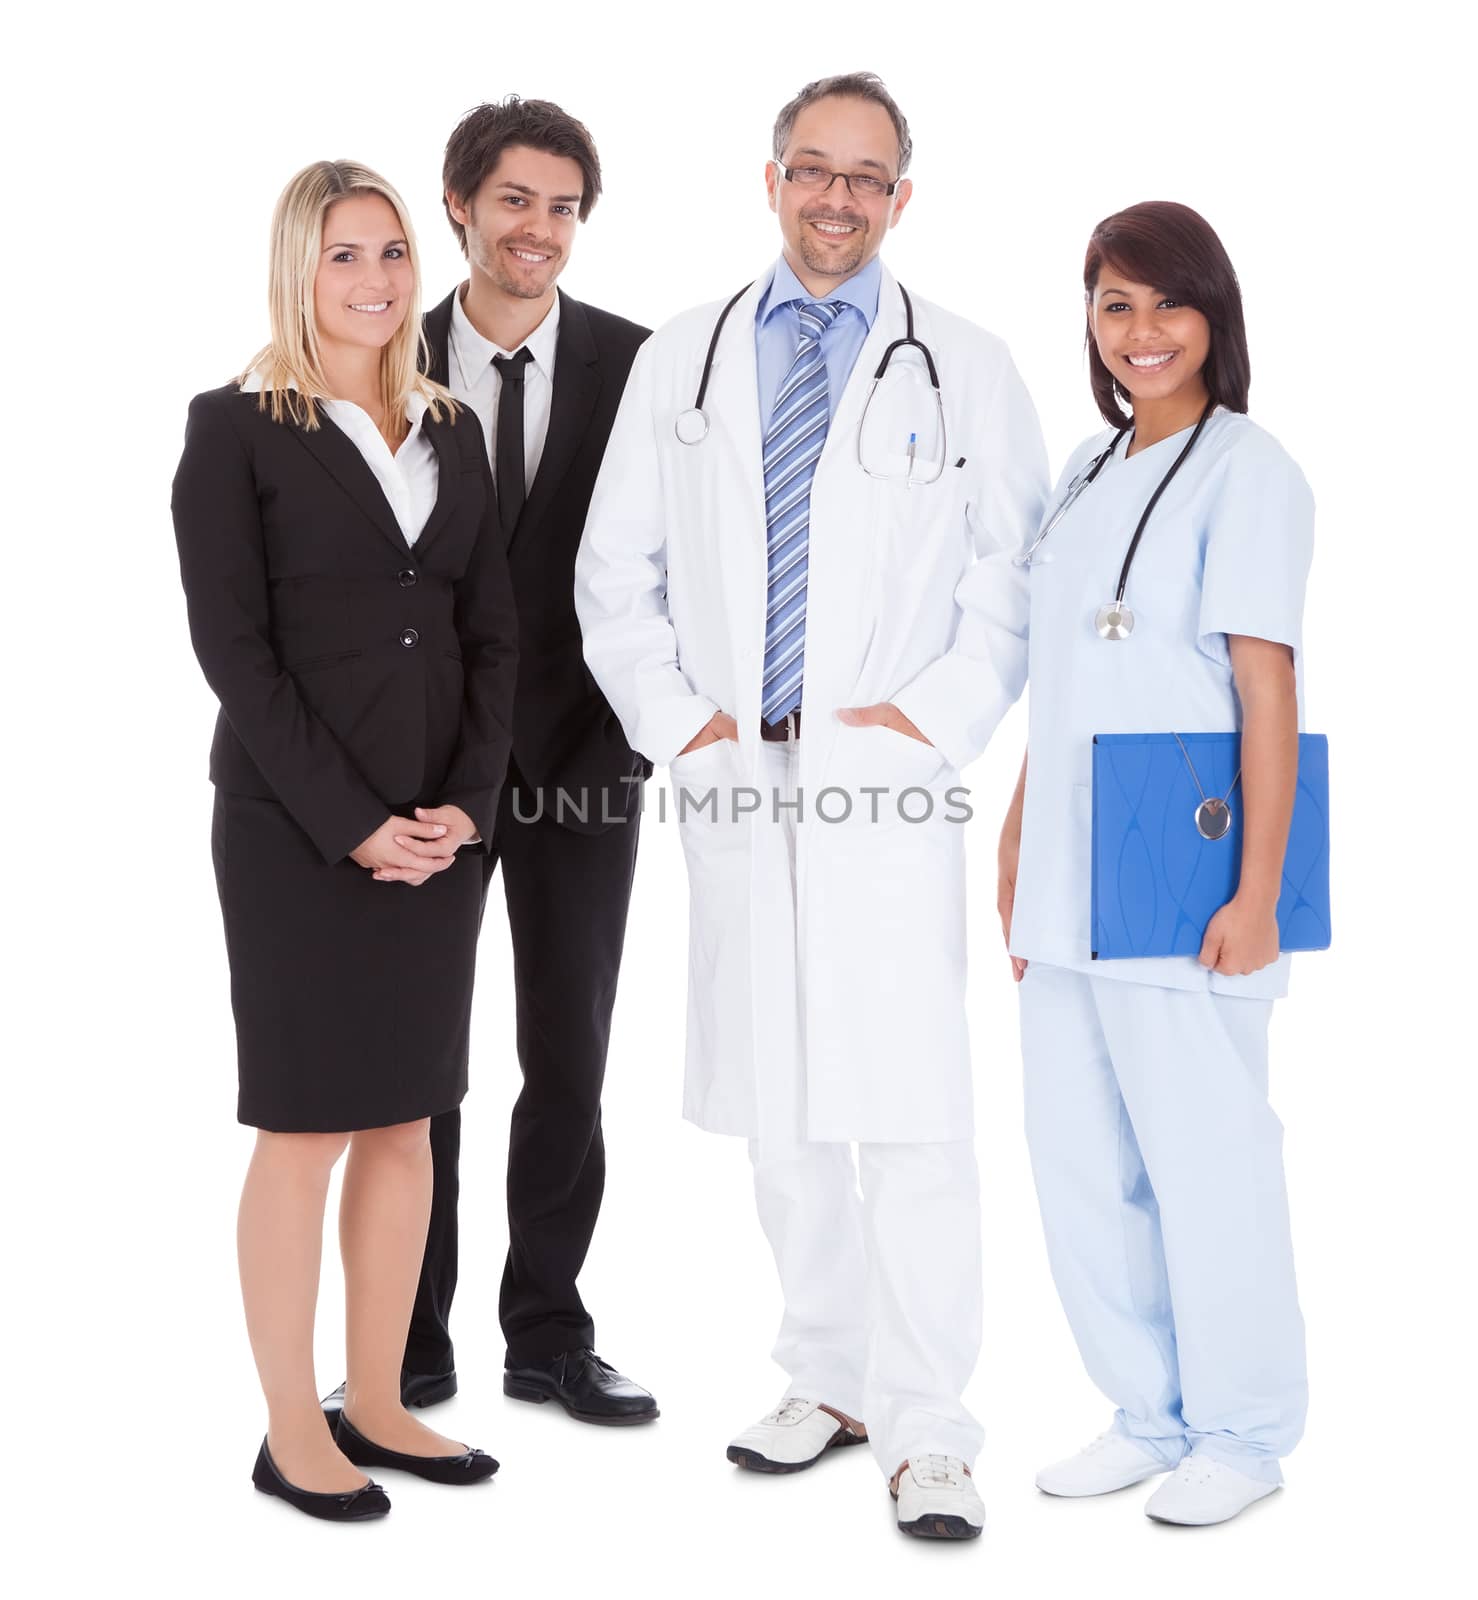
column 1214, row 813
column 1213, row 818
column 1114, row 621
column 691, row 426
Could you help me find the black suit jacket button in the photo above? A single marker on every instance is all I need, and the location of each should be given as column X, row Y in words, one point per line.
column 406, row 579
column 410, row 638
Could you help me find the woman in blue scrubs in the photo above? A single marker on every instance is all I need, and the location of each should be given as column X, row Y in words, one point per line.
column 1157, row 1158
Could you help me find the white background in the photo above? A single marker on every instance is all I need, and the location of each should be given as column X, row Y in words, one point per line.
column 144, row 149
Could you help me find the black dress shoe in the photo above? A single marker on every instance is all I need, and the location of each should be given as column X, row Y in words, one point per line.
column 357, row 1505
column 418, row 1389
column 590, row 1389
column 472, row 1466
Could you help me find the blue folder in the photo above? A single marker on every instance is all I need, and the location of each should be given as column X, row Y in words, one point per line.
column 1156, row 881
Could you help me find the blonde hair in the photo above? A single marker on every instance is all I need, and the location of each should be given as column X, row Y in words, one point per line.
column 290, row 367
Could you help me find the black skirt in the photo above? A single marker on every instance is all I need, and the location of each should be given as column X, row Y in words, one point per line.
column 352, row 998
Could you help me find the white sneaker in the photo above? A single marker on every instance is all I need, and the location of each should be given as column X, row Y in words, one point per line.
column 795, row 1435
column 1204, row 1491
column 1112, row 1461
column 937, row 1499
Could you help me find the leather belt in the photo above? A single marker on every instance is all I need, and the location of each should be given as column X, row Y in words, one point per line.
column 783, row 731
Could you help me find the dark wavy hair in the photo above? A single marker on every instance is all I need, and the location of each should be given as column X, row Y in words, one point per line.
column 480, row 138
column 1175, row 251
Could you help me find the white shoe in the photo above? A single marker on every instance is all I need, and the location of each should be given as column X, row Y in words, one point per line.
column 1112, row 1461
column 795, row 1435
column 1204, row 1491
column 937, row 1499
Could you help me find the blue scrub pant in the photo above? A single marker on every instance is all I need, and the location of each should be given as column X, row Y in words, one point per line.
column 1159, row 1169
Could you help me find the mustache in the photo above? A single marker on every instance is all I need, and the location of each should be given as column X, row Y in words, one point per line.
column 544, row 248
column 851, row 219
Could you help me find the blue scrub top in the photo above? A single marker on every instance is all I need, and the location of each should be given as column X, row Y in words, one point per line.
column 1227, row 551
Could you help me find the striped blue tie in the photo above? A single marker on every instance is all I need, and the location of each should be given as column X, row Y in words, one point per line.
column 793, row 444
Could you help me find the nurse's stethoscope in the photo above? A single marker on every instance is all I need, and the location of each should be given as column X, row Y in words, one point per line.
column 1115, row 620
column 691, row 425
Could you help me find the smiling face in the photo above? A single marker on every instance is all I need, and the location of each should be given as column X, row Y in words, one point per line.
column 833, row 235
column 365, row 281
column 1153, row 345
column 521, row 222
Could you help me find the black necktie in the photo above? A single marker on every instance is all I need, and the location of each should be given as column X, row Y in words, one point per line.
column 509, row 463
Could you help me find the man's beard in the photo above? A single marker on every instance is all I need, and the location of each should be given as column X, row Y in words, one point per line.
column 518, row 285
column 818, row 259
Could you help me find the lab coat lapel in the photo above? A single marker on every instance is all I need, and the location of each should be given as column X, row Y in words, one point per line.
column 734, row 408
column 889, row 324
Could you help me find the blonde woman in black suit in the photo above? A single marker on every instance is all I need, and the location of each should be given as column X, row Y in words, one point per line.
column 350, row 605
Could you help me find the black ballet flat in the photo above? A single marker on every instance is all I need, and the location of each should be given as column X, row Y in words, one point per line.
column 358, row 1505
column 473, row 1466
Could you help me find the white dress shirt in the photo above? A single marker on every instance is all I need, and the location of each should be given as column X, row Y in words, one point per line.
column 409, row 477
column 475, row 382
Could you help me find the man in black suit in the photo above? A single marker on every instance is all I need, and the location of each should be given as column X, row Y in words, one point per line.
column 543, row 374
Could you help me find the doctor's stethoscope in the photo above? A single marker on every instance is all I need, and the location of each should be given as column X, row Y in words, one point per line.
column 691, row 426
column 1115, row 620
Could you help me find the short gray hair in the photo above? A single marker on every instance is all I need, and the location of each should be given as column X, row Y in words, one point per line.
column 852, row 86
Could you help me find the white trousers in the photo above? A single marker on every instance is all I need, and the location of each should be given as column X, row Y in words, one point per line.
column 1159, row 1168
column 882, row 1288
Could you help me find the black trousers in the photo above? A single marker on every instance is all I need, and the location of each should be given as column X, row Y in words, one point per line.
column 567, row 896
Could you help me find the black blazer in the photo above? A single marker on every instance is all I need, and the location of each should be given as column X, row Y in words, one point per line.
column 357, row 675
column 565, row 734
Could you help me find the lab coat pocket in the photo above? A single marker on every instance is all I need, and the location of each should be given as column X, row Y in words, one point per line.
column 879, row 778
column 909, row 749
column 698, row 771
column 703, row 791
column 913, row 510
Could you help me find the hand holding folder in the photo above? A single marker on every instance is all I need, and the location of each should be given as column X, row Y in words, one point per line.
column 1157, row 880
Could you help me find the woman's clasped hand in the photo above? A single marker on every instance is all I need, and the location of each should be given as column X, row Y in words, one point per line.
column 410, row 849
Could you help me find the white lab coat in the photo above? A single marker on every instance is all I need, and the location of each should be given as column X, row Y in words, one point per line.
column 913, row 597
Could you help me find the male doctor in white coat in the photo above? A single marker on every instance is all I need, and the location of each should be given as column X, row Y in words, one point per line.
column 815, row 618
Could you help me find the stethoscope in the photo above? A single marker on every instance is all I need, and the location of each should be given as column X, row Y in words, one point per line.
column 1115, row 620
column 691, row 426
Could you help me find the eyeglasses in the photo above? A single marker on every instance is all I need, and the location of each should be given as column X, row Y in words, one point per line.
column 860, row 185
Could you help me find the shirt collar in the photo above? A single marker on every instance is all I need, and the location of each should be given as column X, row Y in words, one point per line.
column 473, row 354
column 860, row 290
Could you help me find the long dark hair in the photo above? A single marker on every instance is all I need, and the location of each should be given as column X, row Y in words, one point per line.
column 1176, row 251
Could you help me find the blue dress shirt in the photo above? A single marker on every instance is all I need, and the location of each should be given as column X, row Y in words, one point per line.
column 777, row 330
